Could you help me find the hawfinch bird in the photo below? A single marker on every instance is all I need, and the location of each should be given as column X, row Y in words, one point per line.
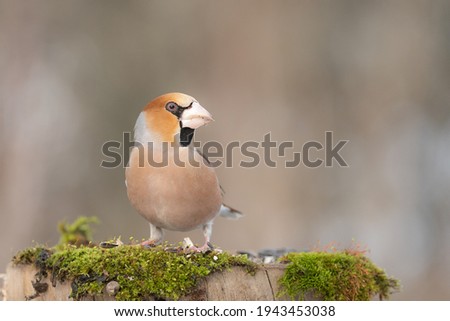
column 168, row 181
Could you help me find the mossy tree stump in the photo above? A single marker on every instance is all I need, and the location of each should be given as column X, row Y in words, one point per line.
column 234, row 284
column 135, row 273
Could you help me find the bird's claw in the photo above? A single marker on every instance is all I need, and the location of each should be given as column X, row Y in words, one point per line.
column 203, row 249
column 190, row 247
column 149, row 244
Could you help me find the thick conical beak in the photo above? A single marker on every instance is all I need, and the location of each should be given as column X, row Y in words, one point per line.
column 195, row 116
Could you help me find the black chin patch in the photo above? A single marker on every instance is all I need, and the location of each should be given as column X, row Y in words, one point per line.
column 186, row 135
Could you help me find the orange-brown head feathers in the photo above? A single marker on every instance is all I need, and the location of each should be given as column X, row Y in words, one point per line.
column 169, row 115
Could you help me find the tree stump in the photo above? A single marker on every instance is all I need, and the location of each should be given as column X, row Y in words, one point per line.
column 168, row 273
column 234, row 284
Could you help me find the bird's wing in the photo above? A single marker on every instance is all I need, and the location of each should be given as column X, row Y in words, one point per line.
column 209, row 163
column 225, row 210
column 203, row 155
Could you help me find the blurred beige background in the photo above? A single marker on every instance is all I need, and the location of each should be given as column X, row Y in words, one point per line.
column 75, row 74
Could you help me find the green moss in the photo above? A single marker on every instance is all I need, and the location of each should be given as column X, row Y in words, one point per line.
column 334, row 276
column 169, row 273
column 77, row 233
column 159, row 273
column 34, row 255
column 141, row 273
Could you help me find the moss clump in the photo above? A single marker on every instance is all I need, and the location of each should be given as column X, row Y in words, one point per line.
column 334, row 276
column 77, row 233
column 34, row 255
column 141, row 273
column 38, row 256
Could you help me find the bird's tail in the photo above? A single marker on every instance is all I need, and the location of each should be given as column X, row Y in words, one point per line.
column 229, row 212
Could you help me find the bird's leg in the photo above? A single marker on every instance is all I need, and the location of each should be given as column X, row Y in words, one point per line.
column 207, row 231
column 156, row 235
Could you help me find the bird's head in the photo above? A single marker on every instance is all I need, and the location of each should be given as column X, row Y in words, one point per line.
column 170, row 116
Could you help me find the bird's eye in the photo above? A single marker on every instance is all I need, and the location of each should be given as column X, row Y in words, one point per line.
column 171, row 106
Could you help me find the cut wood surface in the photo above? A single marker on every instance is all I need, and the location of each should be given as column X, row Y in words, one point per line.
column 2, row 286
column 234, row 284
